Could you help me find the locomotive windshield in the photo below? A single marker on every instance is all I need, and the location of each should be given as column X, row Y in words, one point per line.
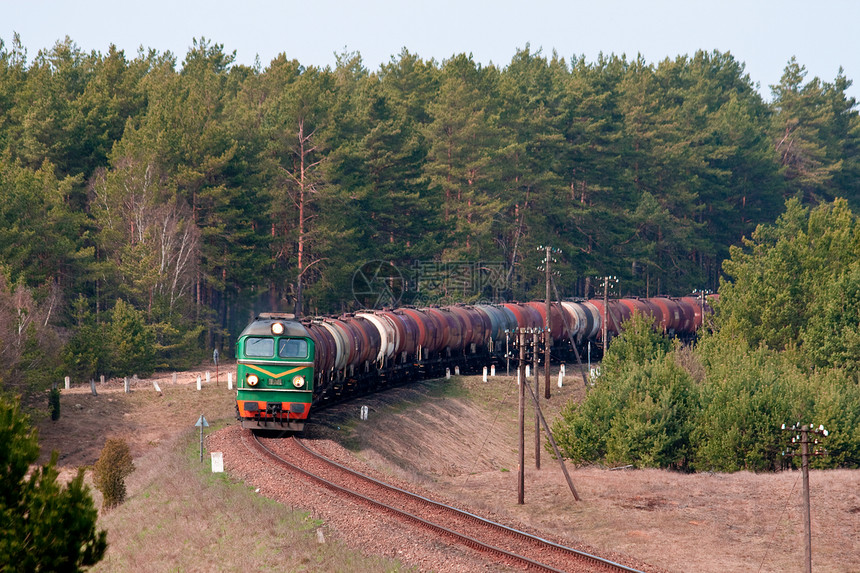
column 260, row 347
column 293, row 348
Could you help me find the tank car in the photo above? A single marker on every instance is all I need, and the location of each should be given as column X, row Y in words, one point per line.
column 287, row 367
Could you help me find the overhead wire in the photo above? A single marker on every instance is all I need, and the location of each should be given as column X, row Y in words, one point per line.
column 776, row 528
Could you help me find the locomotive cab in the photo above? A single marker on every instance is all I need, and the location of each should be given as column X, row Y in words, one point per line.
column 275, row 373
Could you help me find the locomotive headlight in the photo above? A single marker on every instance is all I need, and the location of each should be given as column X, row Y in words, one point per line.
column 253, row 379
column 277, row 328
column 299, row 381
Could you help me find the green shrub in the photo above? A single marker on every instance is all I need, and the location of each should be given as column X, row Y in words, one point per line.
column 581, row 432
column 785, row 350
column 831, row 336
column 837, row 408
column 653, row 428
column 796, row 284
column 748, row 395
column 640, row 410
column 638, row 342
column 111, row 469
column 54, row 403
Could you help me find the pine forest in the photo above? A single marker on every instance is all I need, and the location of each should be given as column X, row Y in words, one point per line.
column 151, row 203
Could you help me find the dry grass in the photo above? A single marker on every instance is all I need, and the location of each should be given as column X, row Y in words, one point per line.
column 466, row 449
column 143, row 417
column 178, row 516
column 181, row 517
column 459, row 439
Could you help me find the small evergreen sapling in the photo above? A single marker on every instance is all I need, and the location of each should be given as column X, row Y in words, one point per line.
column 111, row 469
column 45, row 526
column 54, row 403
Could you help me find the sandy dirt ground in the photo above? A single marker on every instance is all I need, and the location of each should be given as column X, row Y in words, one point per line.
column 463, row 445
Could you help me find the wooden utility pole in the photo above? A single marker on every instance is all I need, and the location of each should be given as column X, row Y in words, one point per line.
column 507, row 353
column 547, row 268
column 558, row 455
column 547, row 336
column 536, row 340
column 605, row 332
column 606, row 315
column 807, row 518
column 521, row 378
column 803, row 438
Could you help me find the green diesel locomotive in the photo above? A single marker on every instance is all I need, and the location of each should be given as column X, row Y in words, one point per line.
column 275, row 373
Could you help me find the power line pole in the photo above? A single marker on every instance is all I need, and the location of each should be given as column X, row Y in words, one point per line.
column 807, row 513
column 547, row 332
column 521, row 379
column 803, row 439
column 548, row 260
column 507, row 353
column 536, row 355
column 558, row 455
column 523, row 386
column 605, row 325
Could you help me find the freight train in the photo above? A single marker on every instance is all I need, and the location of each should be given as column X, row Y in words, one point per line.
column 288, row 367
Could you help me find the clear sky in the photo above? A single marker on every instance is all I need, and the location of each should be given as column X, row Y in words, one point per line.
column 763, row 34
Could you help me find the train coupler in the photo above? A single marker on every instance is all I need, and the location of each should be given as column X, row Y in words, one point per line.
column 275, row 411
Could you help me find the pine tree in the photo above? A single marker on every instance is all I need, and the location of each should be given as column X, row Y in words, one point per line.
column 294, row 124
column 45, row 526
column 802, row 115
column 130, row 342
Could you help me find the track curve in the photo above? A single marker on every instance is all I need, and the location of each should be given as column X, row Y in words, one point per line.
column 502, row 543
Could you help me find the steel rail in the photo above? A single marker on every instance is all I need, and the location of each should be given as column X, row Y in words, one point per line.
column 461, row 513
column 464, row 539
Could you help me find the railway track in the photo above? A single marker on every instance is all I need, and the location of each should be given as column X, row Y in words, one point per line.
column 504, row 544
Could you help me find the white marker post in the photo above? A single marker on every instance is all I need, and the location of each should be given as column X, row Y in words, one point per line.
column 493, row 370
column 198, row 382
column 217, row 462
column 485, row 373
column 229, row 381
